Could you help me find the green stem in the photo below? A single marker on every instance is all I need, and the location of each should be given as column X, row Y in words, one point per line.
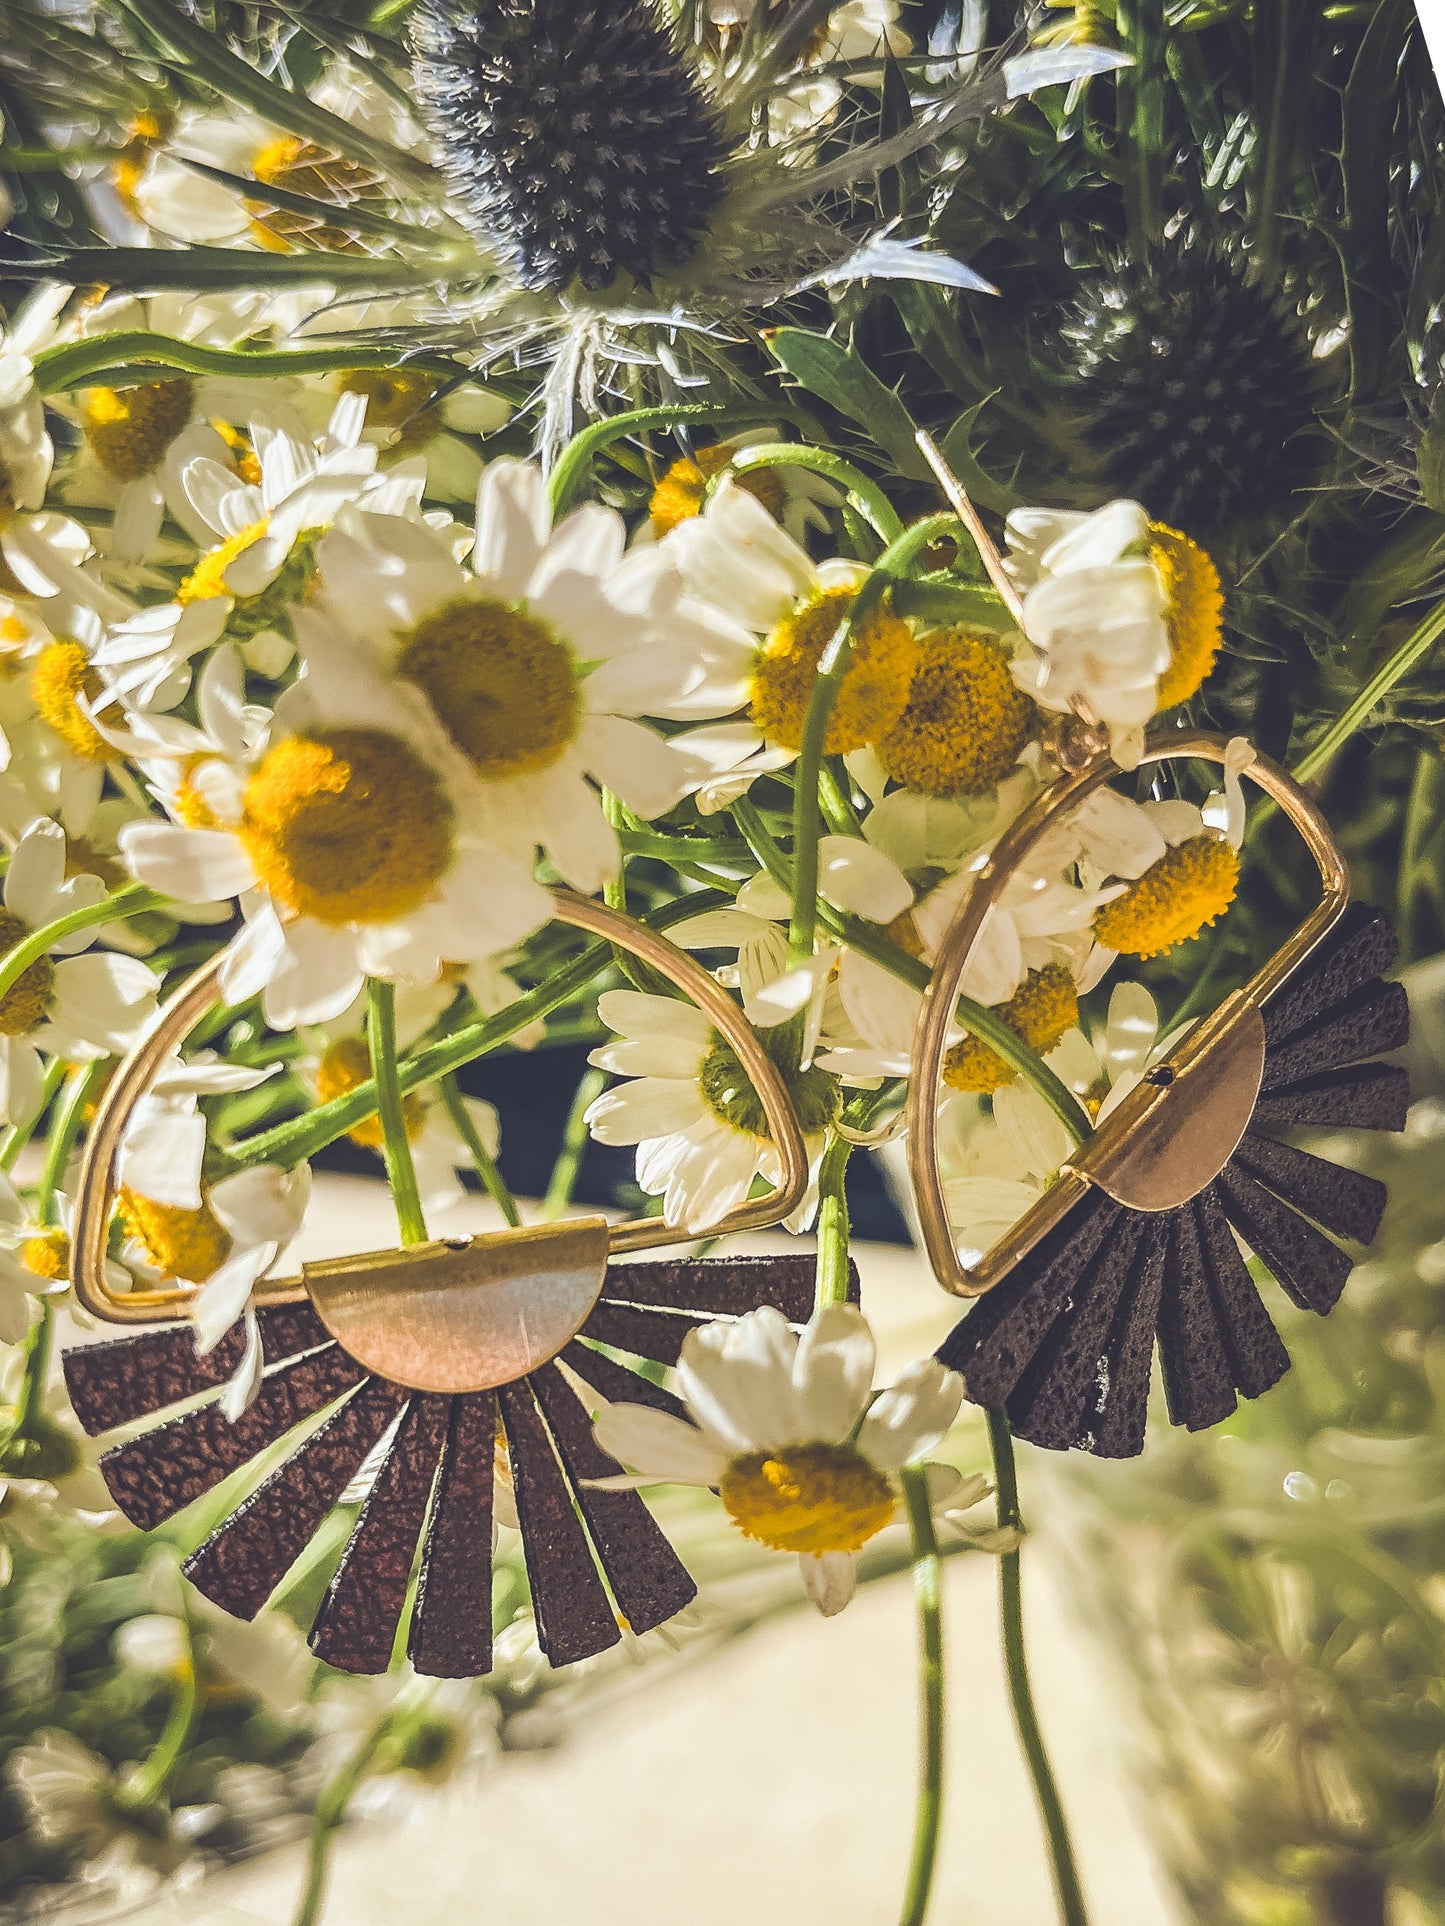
column 577, row 457
column 330, row 1815
column 833, row 1226
column 484, row 1165
column 832, row 670
column 927, row 1590
column 133, row 900
column 869, row 941
column 30, row 1400
column 864, row 495
column 73, row 363
column 156, row 1774
column 65, row 1128
column 563, row 1180
column 1413, row 649
column 1021, row 1697
column 396, row 1145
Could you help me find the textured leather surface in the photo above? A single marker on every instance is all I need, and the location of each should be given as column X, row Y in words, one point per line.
column 451, row 1627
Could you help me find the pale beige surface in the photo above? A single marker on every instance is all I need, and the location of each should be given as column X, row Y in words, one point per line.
column 770, row 1782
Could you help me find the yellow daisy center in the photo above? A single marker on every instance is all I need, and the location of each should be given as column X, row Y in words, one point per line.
column 875, row 686
column 188, row 1244
column 729, row 1093
column 207, row 579
column 965, row 721
column 345, row 1066
column 269, row 607
column 347, row 826
column 188, row 800
column 397, row 400
column 248, row 463
column 683, row 489
column 903, row 931
column 1186, row 890
column 1195, row 605
column 301, row 167
column 14, row 635
column 503, row 684
column 47, row 1255
column 127, row 170
column 130, row 429
column 62, row 676
column 1041, row 1011
column 810, row 1498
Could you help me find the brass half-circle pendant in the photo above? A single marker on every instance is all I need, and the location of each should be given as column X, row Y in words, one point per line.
column 1163, row 1203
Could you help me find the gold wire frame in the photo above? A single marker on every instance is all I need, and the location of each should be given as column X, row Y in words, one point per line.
column 1106, row 1150
column 97, row 1187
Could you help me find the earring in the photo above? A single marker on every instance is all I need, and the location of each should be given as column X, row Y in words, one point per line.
column 1143, row 1237
column 459, row 1362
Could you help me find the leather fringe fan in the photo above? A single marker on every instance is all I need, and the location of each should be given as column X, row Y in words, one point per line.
column 1142, row 1239
column 443, row 1368
column 435, row 1484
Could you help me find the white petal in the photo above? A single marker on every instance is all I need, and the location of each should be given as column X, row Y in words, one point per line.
column 833, row 1373
column 658, row 1445
column 651, row 1107
column 192, row 865
column 913, row 1416
column 711, row 1178
column 317, row 977
column 632, row 1013
column 738, row 1380
column 36, row 872
column 264, row 1205
column 513, row 518
column 162, row 1157
column 857, row 878
column 830, row 1580
column 634, row 762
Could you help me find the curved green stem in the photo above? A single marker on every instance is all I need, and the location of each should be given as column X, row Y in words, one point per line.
column 1069, row 1892
column 864, row 495
column 159, row 1768
column 1413, row 649
column 563, row 1180
column 73, row 363
column 65, row 1128
column 833, row 1225
column 330, row 1815
column 396, row 1145
column 483, row 1163
column 577, row 457
column 927, row 1590
column 134, row 900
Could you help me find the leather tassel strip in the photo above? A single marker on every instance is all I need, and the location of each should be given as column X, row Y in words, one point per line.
column 1064, row 1343
column 596, row 1560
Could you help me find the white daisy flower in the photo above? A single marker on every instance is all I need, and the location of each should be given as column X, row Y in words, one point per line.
column 764, row 612
column 787, row 1429
column 340, row 832
column 35, row 1260
column 1096, row 638
column 260, row 539
column 66, row 1004
column 698, row 1124
column 138, row 438
column 410, row 415
column 537, row 658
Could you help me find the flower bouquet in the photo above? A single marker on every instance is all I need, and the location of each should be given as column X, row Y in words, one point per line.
column 873, row 565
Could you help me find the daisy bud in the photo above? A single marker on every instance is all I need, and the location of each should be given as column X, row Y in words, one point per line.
column 578, row 142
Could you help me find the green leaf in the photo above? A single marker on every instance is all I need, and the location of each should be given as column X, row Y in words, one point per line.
column 957, row 451
column 839, row 377
column 1365, row 158
column 195, row 268
column 102, row 357
column 1430, row 462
